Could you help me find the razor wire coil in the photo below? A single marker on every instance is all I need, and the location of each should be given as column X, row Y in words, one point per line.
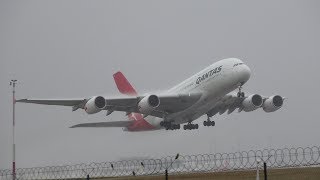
column 245, row 160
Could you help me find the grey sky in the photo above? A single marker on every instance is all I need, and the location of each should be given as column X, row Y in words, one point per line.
column 65, row 49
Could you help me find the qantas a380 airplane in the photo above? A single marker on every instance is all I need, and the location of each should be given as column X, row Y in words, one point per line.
column 216, row 89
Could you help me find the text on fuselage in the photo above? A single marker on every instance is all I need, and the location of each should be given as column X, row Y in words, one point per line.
column 208, row 74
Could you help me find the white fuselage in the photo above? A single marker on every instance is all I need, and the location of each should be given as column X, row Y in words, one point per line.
column 213, row 83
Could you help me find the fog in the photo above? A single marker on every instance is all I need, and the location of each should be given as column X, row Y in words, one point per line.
column 70, row 49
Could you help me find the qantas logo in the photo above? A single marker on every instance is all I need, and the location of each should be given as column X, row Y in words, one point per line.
column 208, row 74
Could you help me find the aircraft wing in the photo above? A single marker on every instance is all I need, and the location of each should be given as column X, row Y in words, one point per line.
column 105, row 124
column 168, row 103
column 229, row 103
column 58, row 102
column 75, row 103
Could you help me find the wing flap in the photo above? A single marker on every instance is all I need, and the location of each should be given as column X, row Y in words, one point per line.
column 229, row 103
column 176, row 103
column 104, row 124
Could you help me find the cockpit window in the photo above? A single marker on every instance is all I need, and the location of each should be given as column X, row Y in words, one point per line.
column 237, row 64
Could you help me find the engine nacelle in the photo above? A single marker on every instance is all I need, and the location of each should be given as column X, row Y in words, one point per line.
column 252, row 102
column 95, row 105
column 148, row 104
column 273, row 103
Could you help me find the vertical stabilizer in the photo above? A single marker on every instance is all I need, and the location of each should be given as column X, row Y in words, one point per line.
column 123, row 84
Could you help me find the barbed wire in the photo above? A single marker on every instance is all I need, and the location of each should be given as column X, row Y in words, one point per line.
column 245, row 160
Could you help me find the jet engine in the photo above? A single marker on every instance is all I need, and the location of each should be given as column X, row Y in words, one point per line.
column 273, row 103
column 95, row 105
column 148, row 104
column 252, row 102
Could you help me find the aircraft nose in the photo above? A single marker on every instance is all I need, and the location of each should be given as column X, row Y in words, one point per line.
column 245, row 73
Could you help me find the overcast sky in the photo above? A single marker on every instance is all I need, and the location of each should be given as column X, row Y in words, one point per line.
column 70, row 49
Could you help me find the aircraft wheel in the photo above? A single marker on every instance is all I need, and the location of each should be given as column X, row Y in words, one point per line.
column 205, row 123
column 174, row 127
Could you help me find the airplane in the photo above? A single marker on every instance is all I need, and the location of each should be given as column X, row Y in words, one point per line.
column 215, row 89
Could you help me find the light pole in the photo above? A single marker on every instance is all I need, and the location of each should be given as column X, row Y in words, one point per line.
column 13, row 84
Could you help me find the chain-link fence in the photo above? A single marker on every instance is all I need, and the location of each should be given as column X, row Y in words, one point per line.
column 219, row 163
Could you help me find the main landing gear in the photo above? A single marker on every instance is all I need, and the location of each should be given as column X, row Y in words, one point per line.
column 208, row 122
column 169, row 125
column 190, row 126
column 240, row 94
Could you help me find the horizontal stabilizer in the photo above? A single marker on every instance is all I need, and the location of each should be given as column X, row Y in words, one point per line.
column 104, row 124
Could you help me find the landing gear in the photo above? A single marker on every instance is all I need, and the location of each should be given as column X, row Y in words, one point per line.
column 169, row 125
column 173, row 127
column 190, row 126
column 240, row 94
column 208, row 122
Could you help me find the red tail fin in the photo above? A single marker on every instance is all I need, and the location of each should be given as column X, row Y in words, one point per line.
column 123, row 84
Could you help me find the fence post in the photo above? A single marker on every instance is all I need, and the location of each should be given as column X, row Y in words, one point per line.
column 265, row 171
column 258, row 175
column 166, row 174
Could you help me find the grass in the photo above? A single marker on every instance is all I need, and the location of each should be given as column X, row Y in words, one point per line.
column 310, row 173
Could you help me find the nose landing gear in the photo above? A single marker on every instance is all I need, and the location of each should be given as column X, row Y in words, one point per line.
column 240, row 94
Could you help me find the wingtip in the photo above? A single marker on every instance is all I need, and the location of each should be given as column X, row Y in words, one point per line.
column 21, row 100
column 77, row 126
